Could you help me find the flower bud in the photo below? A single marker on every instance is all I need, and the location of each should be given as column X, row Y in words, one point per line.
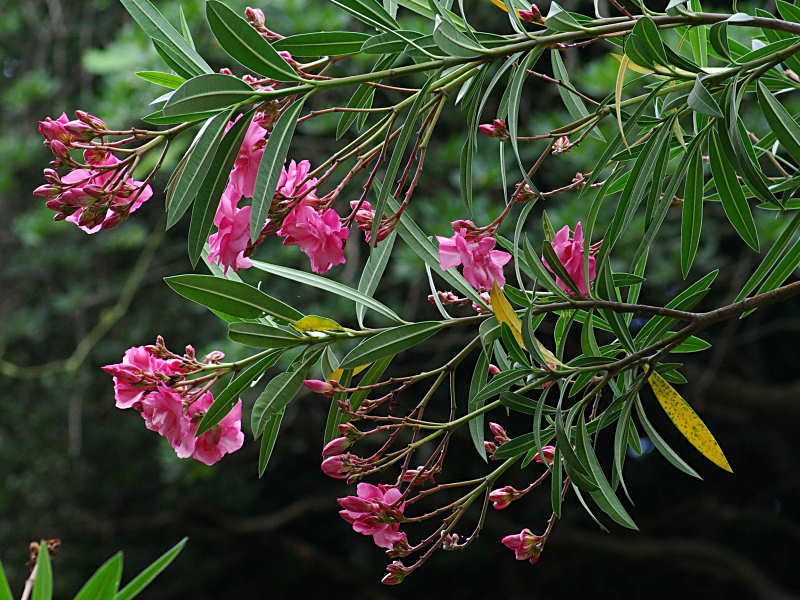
column 337, row 466
column 319, row 387
column 396, row 572
column 525, row 544
column 47, row 191
column 59, row 150
column 336, row 446
column 255, row 16
column 531, row 16
column 450, row 541
column 356, row 504
column 496, row 129
column 490, row 447
column 214, row 356
column 90, row 120
column 549, row 453
column 503, row 496
column 80, row 130
column 500, row 435
column 561, row 145
column 494, row 369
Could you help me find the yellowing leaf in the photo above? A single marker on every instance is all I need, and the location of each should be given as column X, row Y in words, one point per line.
column 337, row 374
column 504, row 313
column 687, row 421
column 500, row 5
column 632, row 65
column 315, row 323
column 623, row 67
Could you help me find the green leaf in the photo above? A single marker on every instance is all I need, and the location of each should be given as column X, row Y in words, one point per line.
column 175, row 60
column 227, row 398
column 322, row 43
column 604, row 286
column 185, row 31
column 556, row 483
column 730, row 191
column 542, row 274
column 43, row 584
column 269, row 170
column 159, row 29
column 557, row 267
column 257, row 335
column 5, row 591
column 700, row 100
column 780, row 121
column 271, row 429
column 500, row 383
column 558, row 19
column 452, row 42
column 373, row 271
column 158, row 118
column 371, row 376
column 200, row 156
column 105, row 581
column 644, row 45
column 785, row 267
column 389, row 342
column 692, row 212
column 698, row 37
column 514, row 96
column 328, row 285
column 362, row 97
column 143, row 579
column 206, row 93
column 167, row 80
column 231, row 297
column 214, row 183
column 474, row 403
column 386, row 43
column 238, row 38
column 718, row 35
column 691, row 344
column 369, row 12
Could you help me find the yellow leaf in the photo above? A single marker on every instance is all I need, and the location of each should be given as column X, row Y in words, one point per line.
column 623, row 67
column 687, row 421
column 504, row 313
column 500, row 5
column 633, row 66
column 337, row 374
column 315, row 323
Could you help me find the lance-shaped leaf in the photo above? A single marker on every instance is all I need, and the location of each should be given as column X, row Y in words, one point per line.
column 322, row 43
column 43, row 583
column 239, row 39
column 644, row 45
column 453, row 42
column 268, row 439
column 206, row 93
column 105, row 581
column 514, row 91
column 390, row 342
column 231, row 297
column 730, row 193
column 227, row 398
column 572, row 101
column 5, row 591
column 692, row 212
column 214, row 183
column 718, row 36
column 269, row 170
column 700, row 100
column 499, row 383
column 280, row 391
column 369, row 12
column 150, row 19
column 477, row 381
column 780, row 121
column 143, row 579
column 505, row 313
column 687, row 421
column 257, row 335
column 329, row 285
column 373, row 271
column 168, row 80
column 558, row 19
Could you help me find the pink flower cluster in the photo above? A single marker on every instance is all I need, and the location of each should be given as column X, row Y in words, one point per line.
column 375, row 511
column 473, row 250
column 99, row 194
column 151, row 385
column 570, row 252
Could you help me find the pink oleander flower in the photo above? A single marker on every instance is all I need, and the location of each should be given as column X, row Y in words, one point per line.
column 224, row 438
column 84, row 190
column 494, row 369
column 561, row 145
column 54, row 129
column 549, row 453
column 373, row 512
column 289, row 183
column 336, row 446
column 496, row 129
column 138, row 373
column 245, row 169
column 163, row 412
column 337, row 466
column 320, row 236
column 502, row 497
column 227, row 246
column 482, row 265
column 531, row 16
column 319, row 387
column 525, row 544
column 570, row 252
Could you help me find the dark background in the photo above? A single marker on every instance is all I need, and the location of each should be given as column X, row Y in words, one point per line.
column 72, row 466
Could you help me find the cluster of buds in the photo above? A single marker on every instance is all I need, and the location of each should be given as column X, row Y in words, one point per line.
column 376, row 511
column 255, row 16
column 349, row 434
column 364, row 216
column 496, row 129
column 561, row 145
column 165, row 390
column 502, row 497
column 418, row 476
column 97, row 194
column 526, row 545
column 531, row 16
column 500, row 438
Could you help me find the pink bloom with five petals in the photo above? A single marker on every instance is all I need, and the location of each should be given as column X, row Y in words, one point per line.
column 570, row 252
column 139, row 373
column 224, row 438
column 482, row 265
column 163, row 413
column 373, row 512
column 320, row 236
column 228, row 244
column 245, row 169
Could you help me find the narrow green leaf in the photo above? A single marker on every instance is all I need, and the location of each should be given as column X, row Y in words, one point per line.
column 213, row 185
column 322, row 43
column 204, row 93
column 231, row 297
column 167, row 80
column 143, row 579
column 573, row 103
column 369, row 12
column 5, row 591
column 105, row 581
column 185, row 31
column 780, row 121
column 159, row 29
column 604, row 286
column 270, row 436
column 692, row 213
column 371, row 376
column 269, row 170
column 667, row 452
column 175, row 60
column 257, row 335
column 329, row 285
column 452, row 42
column 556, row 483
column 238, row 38
column 43, row 584
column 718, row 35
column 518, row 78
column 784, row 268
column 698, row 37
column 700, row 100
column 373, row 272
column 390, row 342
column 227, row 398
column 644, row 45
column 477, row 381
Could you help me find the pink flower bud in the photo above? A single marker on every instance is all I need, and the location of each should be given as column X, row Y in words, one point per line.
column 90, row 120
column 59, row 150
column 337, row 466
column 227, row 71
column 450, row 542
column 500, row 435
column 396, row 572
column 214, row 356
column 503, row 496
column 53, row 129
column 47, row 191
column 494, row 369
column 525, row 544
column 561, row 145
column 579, row 179
column 356, row 504
column 255, row 16
column 490, row 447
column 80, row 130
column 319, row 387
column 531, row 16
column 791, row 75
column 549, row 452
column 336, row 446
column 77, row 197
column 496, row 129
